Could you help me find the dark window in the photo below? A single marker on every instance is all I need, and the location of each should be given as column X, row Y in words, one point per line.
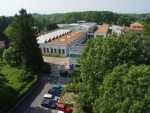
column 74, row 55
column 44, row 50
column 47, row 50
column 51, row 50
column 55, row 51
column 59, row 51
column 63, row 51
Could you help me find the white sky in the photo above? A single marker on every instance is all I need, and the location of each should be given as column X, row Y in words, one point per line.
column 11, row 7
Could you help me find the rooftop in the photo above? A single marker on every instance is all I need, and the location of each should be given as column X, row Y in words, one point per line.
column 136, row 24
column 52, row 35
column 103, row 29
column 68, row 38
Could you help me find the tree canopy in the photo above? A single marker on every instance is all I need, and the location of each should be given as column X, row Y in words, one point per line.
column 101, row 64
column 23, row 36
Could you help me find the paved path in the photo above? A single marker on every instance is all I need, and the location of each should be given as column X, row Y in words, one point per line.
column 32, row 103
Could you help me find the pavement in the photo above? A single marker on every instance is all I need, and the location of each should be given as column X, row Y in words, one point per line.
column 32, row 102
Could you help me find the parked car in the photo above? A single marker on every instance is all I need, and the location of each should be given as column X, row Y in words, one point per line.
column 60, row 111
column 52, row 97
column 58, row 87
column 48, row 103
column 64, row 107
column 54, row 92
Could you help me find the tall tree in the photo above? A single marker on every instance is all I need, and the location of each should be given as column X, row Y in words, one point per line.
column 25, row 44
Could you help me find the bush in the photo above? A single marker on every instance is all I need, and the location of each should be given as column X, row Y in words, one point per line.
column 25, row 76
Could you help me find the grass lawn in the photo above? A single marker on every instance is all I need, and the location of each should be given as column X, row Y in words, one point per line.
column 12, row 75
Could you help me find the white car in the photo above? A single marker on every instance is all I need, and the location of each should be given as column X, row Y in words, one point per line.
column 52, row 97
column 60, row 111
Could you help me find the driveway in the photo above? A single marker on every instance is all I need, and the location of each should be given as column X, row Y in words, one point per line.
column 32, row 102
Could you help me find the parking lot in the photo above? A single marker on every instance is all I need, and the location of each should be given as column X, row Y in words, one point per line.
column 32, row 103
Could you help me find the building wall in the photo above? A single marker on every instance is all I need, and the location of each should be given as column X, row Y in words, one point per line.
column 100, row 34
column 60, row 49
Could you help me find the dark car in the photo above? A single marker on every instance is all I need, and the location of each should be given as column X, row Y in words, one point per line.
column 64, row 107
column 58, row 87
column 54, row 92
column 48, row 103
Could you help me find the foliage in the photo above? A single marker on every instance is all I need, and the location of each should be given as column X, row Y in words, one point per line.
column 101, row 55
column 9, row 56
column 25, row 76
column 28, row 54
column 14, row 88
column 125, row 89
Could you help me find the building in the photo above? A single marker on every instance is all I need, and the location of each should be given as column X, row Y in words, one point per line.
column 74, row 54
column 60, row 45
column 134, row 27
column 2, row 44
column 117, row 29
column 89, row 27
column 102, row 31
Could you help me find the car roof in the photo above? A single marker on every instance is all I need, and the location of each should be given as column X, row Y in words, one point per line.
column 48, row 95
column 61, row 105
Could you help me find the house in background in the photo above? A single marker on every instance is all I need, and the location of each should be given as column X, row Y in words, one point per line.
column 74, row 55
column 102, row 31
column 134, row 27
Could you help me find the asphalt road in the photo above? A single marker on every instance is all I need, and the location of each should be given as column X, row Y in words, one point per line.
column 32, row 102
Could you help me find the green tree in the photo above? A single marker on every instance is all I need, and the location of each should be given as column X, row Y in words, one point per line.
column 24, row 42
column 9, row 57
column 101, row 55
column 125, row 90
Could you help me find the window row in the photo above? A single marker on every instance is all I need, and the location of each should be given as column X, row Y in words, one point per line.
column 54, row 51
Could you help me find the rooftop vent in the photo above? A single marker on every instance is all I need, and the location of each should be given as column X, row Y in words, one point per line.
column 73, row 34
column 68, row 36
column 62, row 39
column 76, row 32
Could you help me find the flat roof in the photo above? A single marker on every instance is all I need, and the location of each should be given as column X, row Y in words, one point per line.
column 44, row 38
column 68, row 38
column 103, row 29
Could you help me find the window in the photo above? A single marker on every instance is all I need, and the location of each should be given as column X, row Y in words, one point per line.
column 47, row 50
column 44, row 50
column 63, row 51
column 74, row 55
column 55, row 51
column 59, row 51
column 51, row 50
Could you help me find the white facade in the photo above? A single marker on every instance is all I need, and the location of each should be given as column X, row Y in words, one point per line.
column 61, row 49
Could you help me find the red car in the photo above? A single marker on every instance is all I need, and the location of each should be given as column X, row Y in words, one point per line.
column 64, row 107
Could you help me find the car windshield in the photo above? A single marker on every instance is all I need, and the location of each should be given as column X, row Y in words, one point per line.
column 52, row 97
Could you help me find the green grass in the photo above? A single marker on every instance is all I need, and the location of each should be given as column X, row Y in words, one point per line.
column 17, row 89
column 12, row 75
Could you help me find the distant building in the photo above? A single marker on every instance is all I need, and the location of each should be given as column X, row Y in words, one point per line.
column 2, row 44
column 74, row 55
column 117, row 29
column 134, row 27
column 62, row 42
column 102, row 31
column 84, row 26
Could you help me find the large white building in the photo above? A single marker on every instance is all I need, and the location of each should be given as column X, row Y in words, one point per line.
column 60, row 45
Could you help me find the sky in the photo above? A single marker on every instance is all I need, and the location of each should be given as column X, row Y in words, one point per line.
column 12, row 7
